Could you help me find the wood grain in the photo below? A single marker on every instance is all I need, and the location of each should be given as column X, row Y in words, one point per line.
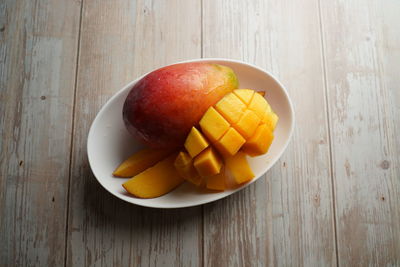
column 37, row 72
column 362, row 56
column 286, row 218
column 121, row 40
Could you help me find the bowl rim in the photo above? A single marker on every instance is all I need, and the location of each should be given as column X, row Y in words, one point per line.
column 221, row 60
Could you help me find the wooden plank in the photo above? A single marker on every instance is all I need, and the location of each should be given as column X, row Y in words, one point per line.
column 286, row 218
column 121, row 40
column 362, row 41
column 38, row 43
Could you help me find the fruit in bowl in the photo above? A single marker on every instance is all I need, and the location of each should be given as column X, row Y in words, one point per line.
column 199, row 128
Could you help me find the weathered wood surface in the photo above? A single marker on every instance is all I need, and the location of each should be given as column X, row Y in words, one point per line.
column 332, row 199
column 37, row 73
column 362, row 62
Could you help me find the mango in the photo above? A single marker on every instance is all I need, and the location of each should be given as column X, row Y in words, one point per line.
column 195, row 142
column 216, row 182
column 260, row 142
column 140, row 161
column 259, row 105
column 247, row 124
column 239, row 167
column 213, row 125
column 230, row 143
column 207, row 163
column 155, row 181
column 231, row 107
column 162, row 107
column 184, row 165
column 270, row 119
column 244, row 94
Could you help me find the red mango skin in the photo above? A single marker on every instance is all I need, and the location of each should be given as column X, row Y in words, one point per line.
column 163, row 106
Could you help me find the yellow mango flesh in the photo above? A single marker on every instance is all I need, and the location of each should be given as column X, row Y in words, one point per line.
column 247, row 124
column 155, row 181
column 140, row 161
column 270, row 119
column 244, row 94
column 260, row 142
column 239, row 167
column 195, row 142
column 213, row 125
column 184, row 165
column 216, row 182
column 231, row 107
column 259, row 105
column 230, row 143
column 207, row 163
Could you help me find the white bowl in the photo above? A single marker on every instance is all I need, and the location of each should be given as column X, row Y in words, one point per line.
column 109, row 143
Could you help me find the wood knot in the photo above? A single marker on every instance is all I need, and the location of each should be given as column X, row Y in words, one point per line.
column 2, row 28
column 20, row 163
column 43, row 97
column 383, row 198
column 284, row 164
column 385, row 164
column 52, row 200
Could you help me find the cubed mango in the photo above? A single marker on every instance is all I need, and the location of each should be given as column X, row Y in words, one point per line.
column 231, row 107
column 216, row 182
column 247, row 124
column 260, row 142
column 213, row 125
column 207, row 163
column 184, row 165
column 195, row 142
column 270, row 119
column 155, row 181
column 230, row 143
column 259, row 105
column 244, row 94
column 239, row 167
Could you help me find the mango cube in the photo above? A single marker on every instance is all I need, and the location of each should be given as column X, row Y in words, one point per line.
column 155, row 181
column 240, row 168
column 184, row 166
column 260, row 142
column 247, row 124
column 213, row 125
column 140, row 161
column 244, row 94
column 270, row 119
column 195, row 142
column 217, row 182
column 230, row 143
column 259, row 105
column 231, row 107
column 208, row 163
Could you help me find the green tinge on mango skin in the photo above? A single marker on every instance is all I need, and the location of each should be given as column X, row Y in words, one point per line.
column 232, row 78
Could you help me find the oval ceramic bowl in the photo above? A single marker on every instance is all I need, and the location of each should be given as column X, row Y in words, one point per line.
column 109, row 143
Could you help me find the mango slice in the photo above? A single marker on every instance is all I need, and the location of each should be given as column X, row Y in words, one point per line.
column 195, row 142
column 184, row 165
column 230, row 143
column 259, row 105
column 240, row 168
column 247, row 124
column 213, row 125
column 207, row 163
column 270, row 119
column 244, row 94
column 155, row 181
column 231, row 107
column 216, row 182
column 140, row 161
column 260, row 142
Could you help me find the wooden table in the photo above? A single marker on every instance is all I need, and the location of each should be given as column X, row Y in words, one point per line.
column 332, row 199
